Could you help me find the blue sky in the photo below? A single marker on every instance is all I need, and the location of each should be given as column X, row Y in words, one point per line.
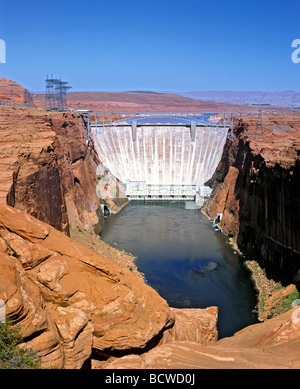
column 160, row 45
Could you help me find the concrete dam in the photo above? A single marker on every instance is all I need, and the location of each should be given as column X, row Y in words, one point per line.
column 162, row 156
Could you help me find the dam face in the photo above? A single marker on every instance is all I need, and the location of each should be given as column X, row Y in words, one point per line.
column 161, row 160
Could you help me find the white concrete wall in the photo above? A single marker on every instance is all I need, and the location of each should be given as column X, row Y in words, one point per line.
column 161, row 154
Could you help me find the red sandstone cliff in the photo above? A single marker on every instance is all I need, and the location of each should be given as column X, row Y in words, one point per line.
column 13, row 93
column 74, row 306
column 259, row 197
column 47, row 169
column 270, row 345
column 71, row 302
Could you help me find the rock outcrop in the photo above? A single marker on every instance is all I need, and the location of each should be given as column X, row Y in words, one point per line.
column 13, row 93
column 70, row 301
column 76, row 306
column 47, row 169
column 259, row 197
column 273, row 344
column 193, row 325
column 110, row 190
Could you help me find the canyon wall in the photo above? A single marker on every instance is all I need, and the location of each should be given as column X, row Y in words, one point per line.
column 78, row 308
column 47, row 169
column 73, row 304
column 258, row 181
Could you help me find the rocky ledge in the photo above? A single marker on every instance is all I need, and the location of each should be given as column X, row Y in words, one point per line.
column 270, row 345
column 72, row 303
column 257, row 194
column 46, row 168
column 76, row 308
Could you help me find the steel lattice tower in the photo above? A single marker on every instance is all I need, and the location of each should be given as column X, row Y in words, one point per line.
column 259, row 125
column 56, row 94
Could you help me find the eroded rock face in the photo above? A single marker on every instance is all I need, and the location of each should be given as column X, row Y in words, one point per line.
column 224, row 202
column 13, row 93
column 198, row 326
column 193, row 325
column 259, row 197
column 47, row 169
column 270, row 345
column 68, row 300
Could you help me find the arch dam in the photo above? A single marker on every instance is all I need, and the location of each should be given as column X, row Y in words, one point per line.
column 161, row 155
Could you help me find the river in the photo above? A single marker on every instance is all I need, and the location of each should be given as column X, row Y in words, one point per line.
column 185, row 260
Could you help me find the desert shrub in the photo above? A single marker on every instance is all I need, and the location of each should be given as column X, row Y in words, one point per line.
column 12, row 356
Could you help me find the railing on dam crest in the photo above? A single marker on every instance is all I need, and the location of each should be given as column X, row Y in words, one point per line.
column 98, row 121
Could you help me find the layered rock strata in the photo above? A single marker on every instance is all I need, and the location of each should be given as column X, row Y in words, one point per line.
column 75, row 306
column 47, row 169
column 273, row 344
column 259, row 197
column 70, row 301
column 13, row 93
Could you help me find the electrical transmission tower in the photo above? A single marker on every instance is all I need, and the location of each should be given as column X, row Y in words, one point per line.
column 62, row 87
column 50, row 94
column 56, row 94
column 259, row 125
column 11, row 98
column 28, row 100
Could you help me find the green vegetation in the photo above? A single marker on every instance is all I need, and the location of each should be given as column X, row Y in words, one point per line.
column 12, row 356
column 285, row 304
column 273, row 299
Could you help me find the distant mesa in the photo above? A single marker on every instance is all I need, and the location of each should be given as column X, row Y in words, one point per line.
column 288, row 99
column 148, row 101
column 12, row 93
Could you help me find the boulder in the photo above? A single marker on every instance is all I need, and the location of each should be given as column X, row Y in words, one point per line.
column 193, row 325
